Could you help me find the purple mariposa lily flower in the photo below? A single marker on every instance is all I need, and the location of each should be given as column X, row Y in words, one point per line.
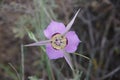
column 60, row 41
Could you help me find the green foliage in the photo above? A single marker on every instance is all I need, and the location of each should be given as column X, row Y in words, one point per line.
column 8, row 71
column 78, row 75
column 22, row 25
column 34, row 26
column 33, row 78
column 31, row 36
column 37, row 21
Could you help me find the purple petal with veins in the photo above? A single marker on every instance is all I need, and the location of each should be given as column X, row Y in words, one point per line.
column 53, row 28
column 73, row 42
column 53, row 53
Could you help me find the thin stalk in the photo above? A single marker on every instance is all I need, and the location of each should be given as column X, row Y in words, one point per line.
column 47, row 61
column 22, row 62
column 82, row 56
column 17, row 74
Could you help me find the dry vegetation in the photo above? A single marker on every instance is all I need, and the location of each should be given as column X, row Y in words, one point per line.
column 97, row 25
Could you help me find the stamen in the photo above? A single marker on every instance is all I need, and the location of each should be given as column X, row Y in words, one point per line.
column 58, row 41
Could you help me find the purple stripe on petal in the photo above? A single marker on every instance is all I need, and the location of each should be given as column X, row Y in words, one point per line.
column 53, row 28
column 53, row 53
column 73, row 42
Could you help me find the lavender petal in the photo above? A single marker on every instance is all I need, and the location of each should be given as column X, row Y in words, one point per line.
column 73, row 42
column 53, row 53
column 53, row 28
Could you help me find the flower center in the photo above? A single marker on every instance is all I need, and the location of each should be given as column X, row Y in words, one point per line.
column 58, row 41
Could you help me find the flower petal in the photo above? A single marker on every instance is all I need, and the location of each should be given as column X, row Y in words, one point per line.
column 53, row 53
column 71, row 23
column 39, row 43
column 54, row 27
column 73, row 42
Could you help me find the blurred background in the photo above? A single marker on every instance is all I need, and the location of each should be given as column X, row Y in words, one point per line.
column 97, row 25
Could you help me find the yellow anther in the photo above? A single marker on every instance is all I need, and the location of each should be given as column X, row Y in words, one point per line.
column 58, row 41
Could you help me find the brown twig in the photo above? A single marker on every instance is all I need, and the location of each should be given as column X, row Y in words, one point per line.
column 111, row 73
